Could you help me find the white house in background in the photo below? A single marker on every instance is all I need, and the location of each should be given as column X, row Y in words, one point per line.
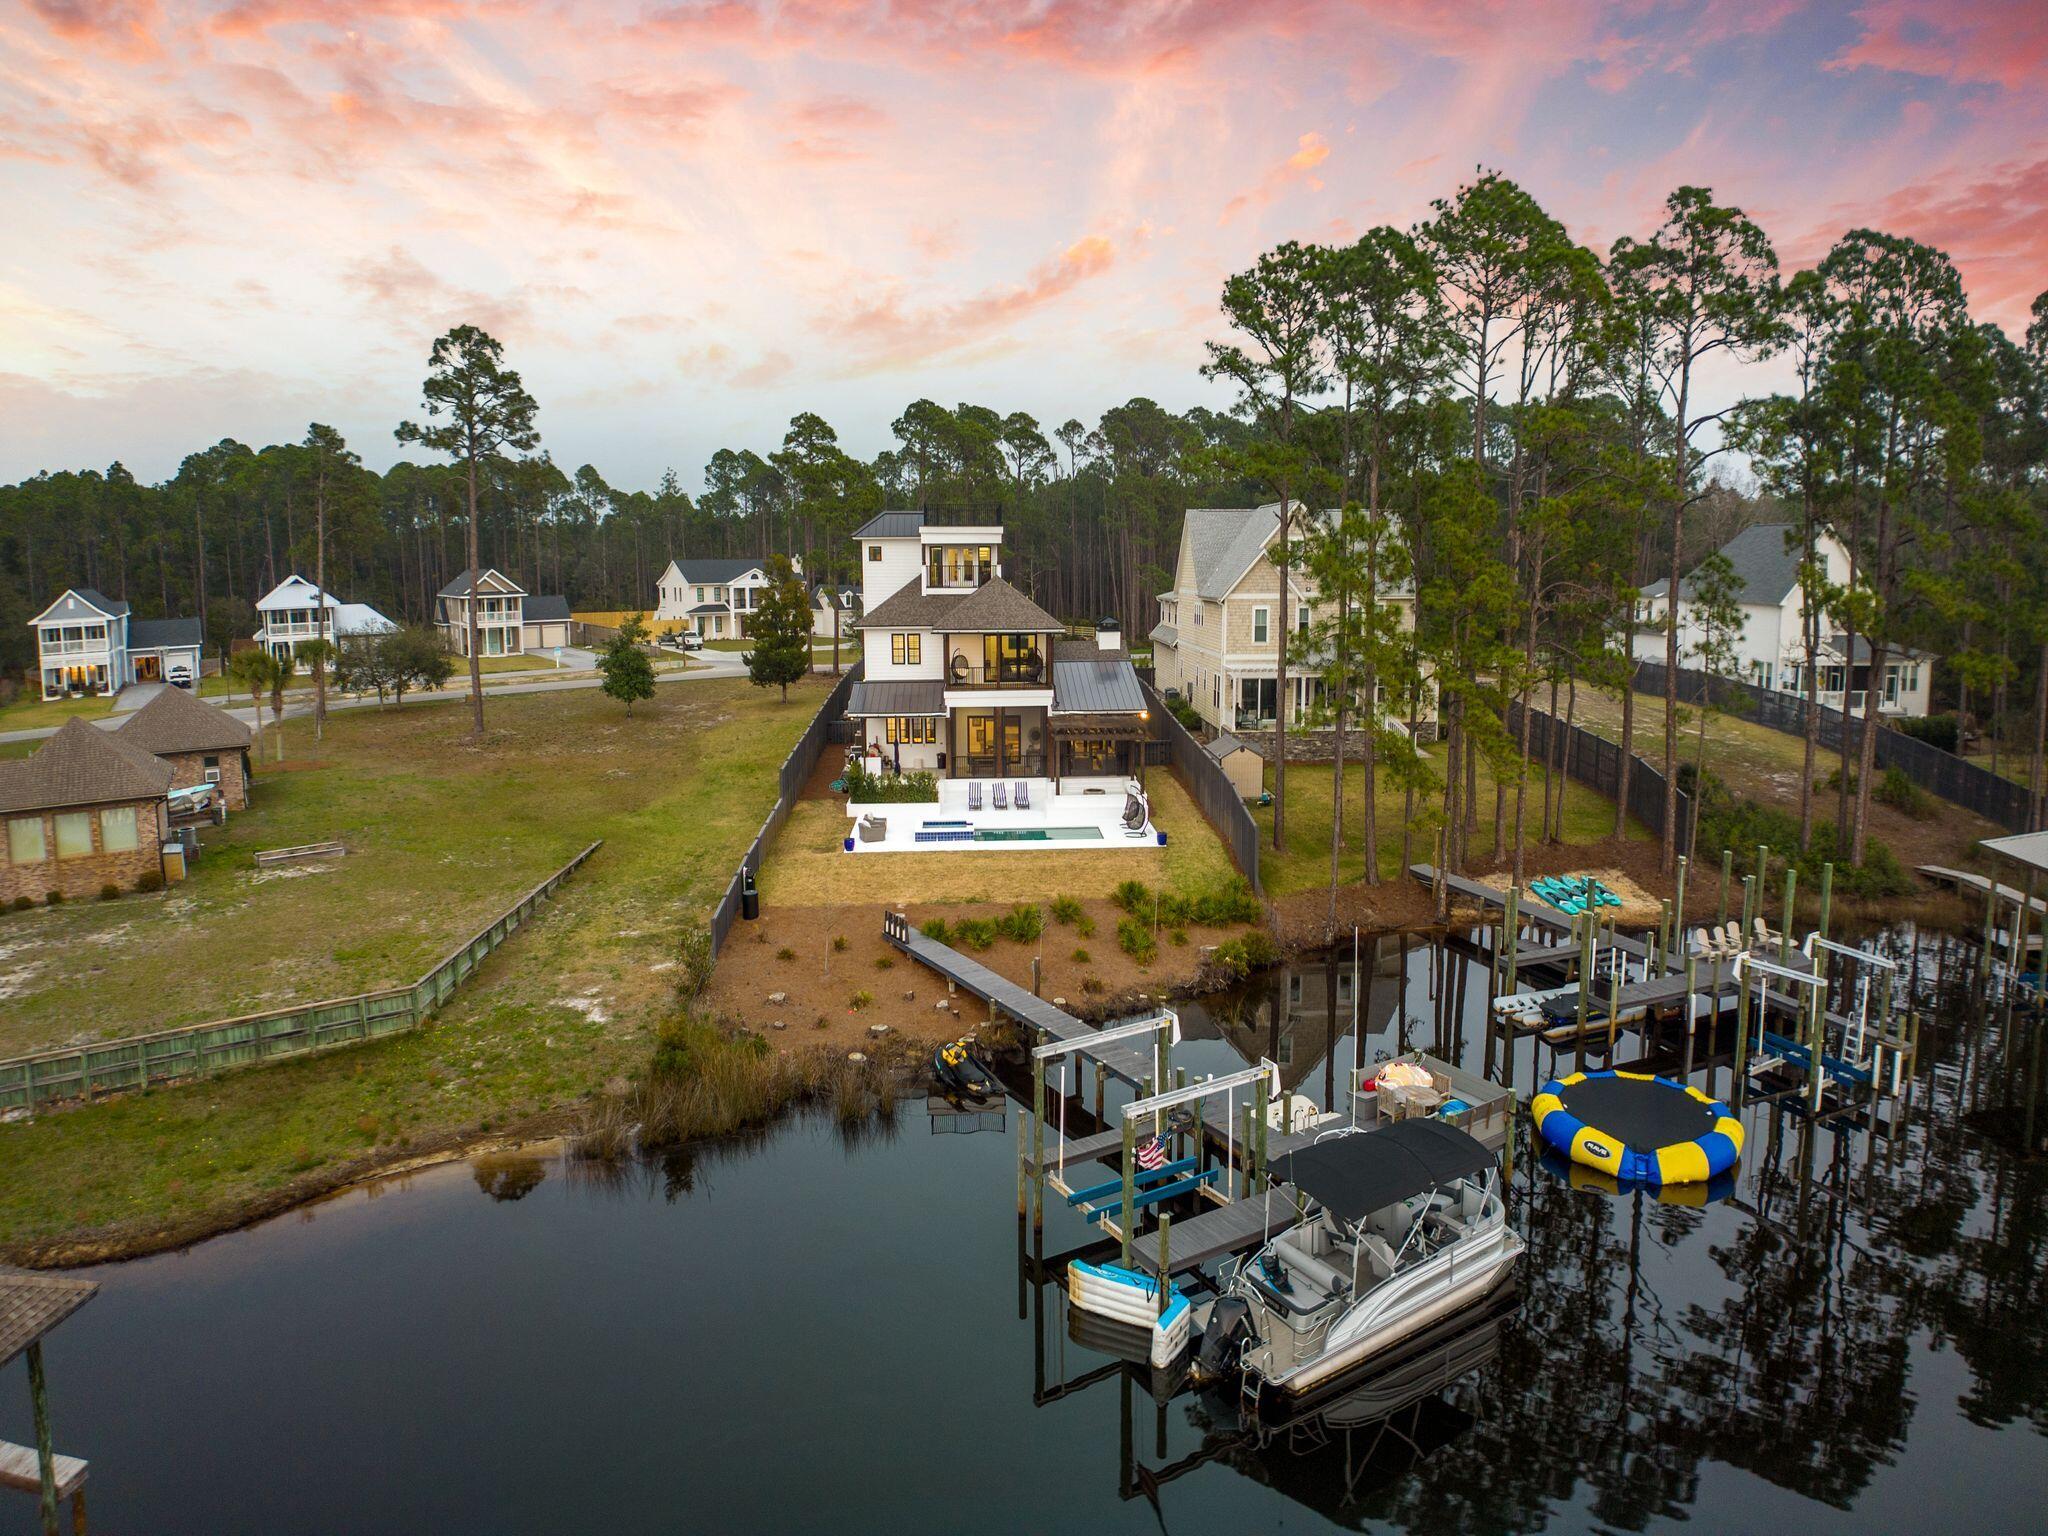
column 834, row 605
column 968, row 677
column 89, row 643
column 510, row 620
column 1217, row 642
column 292, row 612
column 1771, row 649
column 714, row 597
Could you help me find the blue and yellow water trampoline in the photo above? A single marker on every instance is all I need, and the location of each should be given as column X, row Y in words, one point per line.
column 1637, row 1127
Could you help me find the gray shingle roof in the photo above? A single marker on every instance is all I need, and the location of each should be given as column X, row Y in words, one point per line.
column 174, row 721
column 31, row 1305
column 891, row 525
column 81, row 765
column 1767, row 569
column 717, row 572
column 163, row 634
column 1224, row 541
column 1164, row 633
column 71, row 605
column 898, row 696
column 994, row 607
column 1224, row 744
column 550, row 609
column 459, row 587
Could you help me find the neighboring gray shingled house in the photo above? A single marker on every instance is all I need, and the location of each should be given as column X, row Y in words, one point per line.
column 1771, row 650
column 1217, row 639
column 85, row 811
column 714, row 597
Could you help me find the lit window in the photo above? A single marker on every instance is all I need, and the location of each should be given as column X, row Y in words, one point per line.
column 874, row 551
column 905, row 650
column 25, row 840
column 117, row 829
column 74, row 834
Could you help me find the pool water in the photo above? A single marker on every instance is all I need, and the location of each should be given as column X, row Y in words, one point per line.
column 1037, row 834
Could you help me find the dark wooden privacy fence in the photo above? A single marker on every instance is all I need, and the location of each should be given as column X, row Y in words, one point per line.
column 1213, row 791
column 1595, row 761
column 1990, row 795
column 199, row 1050
column 796, row 772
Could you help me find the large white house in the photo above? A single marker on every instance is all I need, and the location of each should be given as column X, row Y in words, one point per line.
column 1771, row 649
column 1217, row 642
column 292, row 612
column 968, row 677
column 714, row 597
column 89, row 643
column 510, row 620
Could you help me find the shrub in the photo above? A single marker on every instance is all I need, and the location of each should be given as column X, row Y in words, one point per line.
column 1081, row 956
column 785, row 953
column 838, row 943
column 694, row 961
column 1738, row 824
column 1084, row 926
column 1902, row 794
column 865, row 788
column 1185, row 713
column 55, row 899
column 1066, row 910
column 1133, row 896
column 1135, row 939
column 1230, row 902
column 935, row 929
column 1092, row 985
column 976, row 933
column 885, row 962
column 150, row 880
column 1943, row 731
column 110, row 892
column 860, row 999
column 1237, row 958
column 23, row 903
column 1023, row 922
column 1178, row 937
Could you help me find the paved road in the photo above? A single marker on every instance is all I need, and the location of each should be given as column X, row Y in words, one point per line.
column 704, row 664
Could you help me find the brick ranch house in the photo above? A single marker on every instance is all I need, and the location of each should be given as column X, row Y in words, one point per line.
column 86, row 811
column 200, row 743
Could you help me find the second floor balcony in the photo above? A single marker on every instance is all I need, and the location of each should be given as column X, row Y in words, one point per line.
column 1023, row 669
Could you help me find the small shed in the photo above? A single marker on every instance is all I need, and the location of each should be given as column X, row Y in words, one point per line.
column 1241, row 764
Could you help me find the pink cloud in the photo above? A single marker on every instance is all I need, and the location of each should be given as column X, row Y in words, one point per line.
column 1311, row 150
column 1994, row 42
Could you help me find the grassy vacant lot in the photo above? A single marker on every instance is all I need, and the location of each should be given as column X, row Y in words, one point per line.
column 1305, row 862
column 808, row 866
column 1759, row 763
column 675, row 791
column 29, row 713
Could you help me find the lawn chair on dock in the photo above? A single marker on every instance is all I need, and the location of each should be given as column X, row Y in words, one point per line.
column 1002, row 795
column 974, row 794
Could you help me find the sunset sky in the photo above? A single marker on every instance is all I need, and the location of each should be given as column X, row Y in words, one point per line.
column 688, row 222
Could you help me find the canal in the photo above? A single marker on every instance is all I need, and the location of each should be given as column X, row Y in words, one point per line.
column 822, row 1329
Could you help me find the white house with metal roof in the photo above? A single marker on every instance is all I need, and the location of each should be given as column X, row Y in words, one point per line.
column 1771, row 649
column 88, row 643
column 715, row 597
column 969, row 678
column 1217, row 642
column 295, row 611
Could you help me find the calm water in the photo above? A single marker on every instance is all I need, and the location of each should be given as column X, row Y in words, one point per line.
column 811, row 1332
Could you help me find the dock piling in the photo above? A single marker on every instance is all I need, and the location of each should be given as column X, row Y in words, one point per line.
column 1727, row 878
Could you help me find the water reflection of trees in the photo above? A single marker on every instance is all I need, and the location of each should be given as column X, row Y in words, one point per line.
column 1795, row 1315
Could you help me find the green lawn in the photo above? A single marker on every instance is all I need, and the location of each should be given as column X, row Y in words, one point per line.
column 29, row 713
column 437, row 824
column 1304, row 863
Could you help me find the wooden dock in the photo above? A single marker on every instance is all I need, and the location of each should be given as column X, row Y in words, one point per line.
column 1130, row 1062
column 1224, row 1229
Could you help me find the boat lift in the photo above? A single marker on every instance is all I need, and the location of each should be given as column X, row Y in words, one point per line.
column 1163, row 1028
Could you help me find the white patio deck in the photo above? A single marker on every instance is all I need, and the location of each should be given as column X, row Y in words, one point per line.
column 1086, row 814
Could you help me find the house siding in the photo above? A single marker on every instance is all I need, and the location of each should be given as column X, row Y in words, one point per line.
column 87, row 874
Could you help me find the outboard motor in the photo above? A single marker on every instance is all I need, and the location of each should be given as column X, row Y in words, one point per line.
column 1230, row 1320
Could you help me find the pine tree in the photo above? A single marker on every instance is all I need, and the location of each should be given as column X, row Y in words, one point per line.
column 781, row 630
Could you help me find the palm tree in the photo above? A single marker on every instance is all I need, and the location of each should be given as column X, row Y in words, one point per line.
column 252, row 669
column 281, row 669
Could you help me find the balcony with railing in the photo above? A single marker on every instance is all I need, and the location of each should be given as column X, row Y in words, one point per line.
column 1025, row 669
column 74, row 647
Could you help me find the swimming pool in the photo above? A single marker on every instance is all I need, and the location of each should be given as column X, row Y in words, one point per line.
column 1037, row 834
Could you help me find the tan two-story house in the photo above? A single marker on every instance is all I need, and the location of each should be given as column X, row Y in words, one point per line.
column 1217, row 642
column 510, row 620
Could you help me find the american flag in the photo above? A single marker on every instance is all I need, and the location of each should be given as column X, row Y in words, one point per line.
column 1152, row 1154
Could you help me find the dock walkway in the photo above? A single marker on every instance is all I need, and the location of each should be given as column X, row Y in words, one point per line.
column 1233, row 1228
column 1129, row 1061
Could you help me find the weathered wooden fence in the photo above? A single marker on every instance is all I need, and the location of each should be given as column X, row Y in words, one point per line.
column 1990, row 795
column 1596, row 762
column 1214, row 792
column 200, row 1050
column 796, row 772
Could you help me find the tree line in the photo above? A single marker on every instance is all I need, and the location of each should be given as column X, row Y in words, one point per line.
column 1514, row 426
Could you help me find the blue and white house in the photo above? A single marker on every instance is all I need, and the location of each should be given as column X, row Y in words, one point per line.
column 88, row 643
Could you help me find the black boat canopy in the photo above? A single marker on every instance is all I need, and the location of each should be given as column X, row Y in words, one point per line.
column 1353, row 1176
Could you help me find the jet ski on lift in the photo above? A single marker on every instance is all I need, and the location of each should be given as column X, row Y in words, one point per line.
column 961, row 1072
